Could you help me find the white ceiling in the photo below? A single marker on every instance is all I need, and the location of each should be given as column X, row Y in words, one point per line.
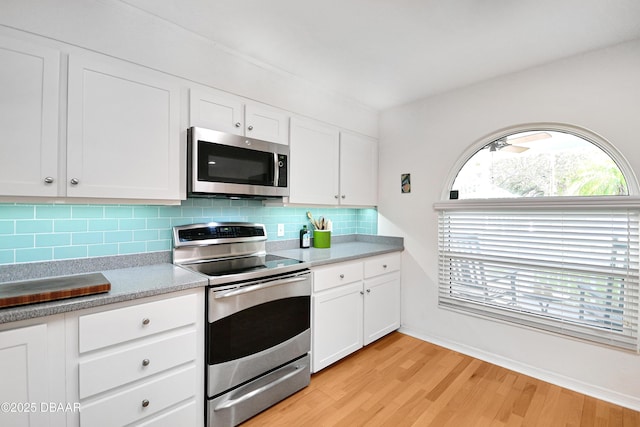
column 387, row 52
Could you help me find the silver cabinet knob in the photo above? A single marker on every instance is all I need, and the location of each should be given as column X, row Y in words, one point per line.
column 145, row 403
column 74, row 181
column 384, row 265
column 342, row 276
column 361, row 293
column 146, row 321
column 250, row 127
column 48, row 180
column 344, row 197
column 146, row 362
column 368, row 291
column 336, row 196
column 238, row 124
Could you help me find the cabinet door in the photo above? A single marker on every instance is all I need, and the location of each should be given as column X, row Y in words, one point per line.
column 123, row 131
column 337, row 324
column 23, row 369
column 216, row 110
column 266, row 123
column 314, row 163
column 381, row 306
column 358, row 170
column 29, row 84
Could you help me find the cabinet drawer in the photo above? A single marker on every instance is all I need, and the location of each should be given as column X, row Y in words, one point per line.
column 336, row 275
column 129, row 405
column 382, row 264
column 115, row 326
column 185, row 415
column 134, row 363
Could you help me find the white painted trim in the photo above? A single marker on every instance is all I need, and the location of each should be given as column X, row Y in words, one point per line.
column 592, row 202
column 589, row 135
column 608, row 395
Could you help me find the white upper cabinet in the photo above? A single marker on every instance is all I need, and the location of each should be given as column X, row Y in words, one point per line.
column 123, row 131
column 218, row 110
column 267, row 123
column 314, row 163
column 329, row 167
column 358, row 170
column 29, row 104
column 123, row 136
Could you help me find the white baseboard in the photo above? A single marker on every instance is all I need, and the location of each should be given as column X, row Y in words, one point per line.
column 608, row 395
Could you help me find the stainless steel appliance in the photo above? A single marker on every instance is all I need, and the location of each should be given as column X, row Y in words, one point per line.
column 258, row 334
column 221, row 164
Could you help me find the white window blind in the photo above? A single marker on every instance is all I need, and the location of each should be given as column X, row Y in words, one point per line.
column 572, row 271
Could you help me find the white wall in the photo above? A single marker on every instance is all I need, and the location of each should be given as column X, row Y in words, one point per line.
column 117, row 29
column 599, row 91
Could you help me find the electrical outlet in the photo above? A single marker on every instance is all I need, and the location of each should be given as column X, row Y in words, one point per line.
column 280, row 230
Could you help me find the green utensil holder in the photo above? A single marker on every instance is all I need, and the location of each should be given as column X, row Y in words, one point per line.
column 321, row 238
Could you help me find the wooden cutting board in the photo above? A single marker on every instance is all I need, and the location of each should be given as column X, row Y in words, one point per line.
column 41, row 290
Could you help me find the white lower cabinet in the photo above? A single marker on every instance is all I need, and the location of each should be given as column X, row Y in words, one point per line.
column 337, row 324
column 138, row 363
column 32, row 373
column 354, row 304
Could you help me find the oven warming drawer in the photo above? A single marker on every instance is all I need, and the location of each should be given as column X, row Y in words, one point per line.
column 244, row 402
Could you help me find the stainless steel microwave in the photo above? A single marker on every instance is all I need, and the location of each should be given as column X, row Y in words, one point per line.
column 226, row 165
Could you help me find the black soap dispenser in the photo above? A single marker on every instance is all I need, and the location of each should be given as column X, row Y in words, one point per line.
column 305, row 237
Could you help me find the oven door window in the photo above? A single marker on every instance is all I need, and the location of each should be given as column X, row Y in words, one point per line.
column 223, row 163
column 257, row 328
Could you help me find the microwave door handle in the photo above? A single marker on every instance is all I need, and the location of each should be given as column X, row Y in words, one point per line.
column 276, row 170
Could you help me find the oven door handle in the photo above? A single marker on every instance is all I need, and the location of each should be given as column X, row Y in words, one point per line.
column 252, row 288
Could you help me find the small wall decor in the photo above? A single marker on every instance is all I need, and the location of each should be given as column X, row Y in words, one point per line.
column 405, row 183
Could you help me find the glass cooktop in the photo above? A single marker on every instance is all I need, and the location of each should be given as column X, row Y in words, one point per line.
column 232, row 267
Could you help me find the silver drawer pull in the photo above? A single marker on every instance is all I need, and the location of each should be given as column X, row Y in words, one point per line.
column 145, row 403
column 145, row 362
column 384, row 265
column 146, row 321
column 342, row 276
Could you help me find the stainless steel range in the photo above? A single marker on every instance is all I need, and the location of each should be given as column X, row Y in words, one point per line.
column 258, row 334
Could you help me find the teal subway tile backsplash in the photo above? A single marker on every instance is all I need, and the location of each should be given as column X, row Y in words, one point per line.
column 7, row 227
column 17, row 212
column 34, row 254
column 34, row 226
column 46, row 232
column 69, row 252
column 16, row 241
column 74, row 225
column 53, row 211
column 87, row 211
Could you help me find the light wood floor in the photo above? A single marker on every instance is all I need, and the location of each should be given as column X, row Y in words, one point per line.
column 402, row 381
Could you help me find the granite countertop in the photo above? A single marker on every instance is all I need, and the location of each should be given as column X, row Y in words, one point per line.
column 146, row 275
column 126, row 284
column 340, row 252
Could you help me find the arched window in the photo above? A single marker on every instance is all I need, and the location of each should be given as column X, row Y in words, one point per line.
column 540, row 163
column 542, row 231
